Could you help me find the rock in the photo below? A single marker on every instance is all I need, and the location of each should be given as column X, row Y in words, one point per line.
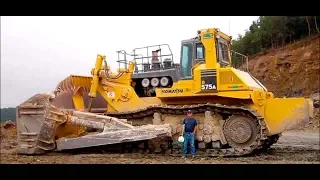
column 175, row 151
column 9, row 124
column 316, row 98
column 215, row 137
column 207, row 129
column 140, row 151
column 168, row 151
column 3, row 133
column 201, row 145
column 199, row 138
column 141, row 145
column 157, row 119
column 216, row 145
column 206, row 138
column 199, row 133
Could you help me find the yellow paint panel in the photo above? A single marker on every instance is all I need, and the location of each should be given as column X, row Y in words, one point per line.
column 208, row 41
column 228, row 77
column 78, row 100
column 286, row 114
column 236, row 94
column 197, row 78
column 151, row 100
column 123, row 99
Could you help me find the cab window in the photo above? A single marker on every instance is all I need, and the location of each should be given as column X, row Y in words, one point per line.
column 186, row 60
column 223, row 53
column 200, row 51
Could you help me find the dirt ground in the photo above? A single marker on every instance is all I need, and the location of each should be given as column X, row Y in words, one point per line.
column 294, row 147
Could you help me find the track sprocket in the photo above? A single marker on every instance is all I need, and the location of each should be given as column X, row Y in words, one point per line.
column 241, row 131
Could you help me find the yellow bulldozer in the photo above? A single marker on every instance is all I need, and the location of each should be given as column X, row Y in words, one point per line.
column 140, row 106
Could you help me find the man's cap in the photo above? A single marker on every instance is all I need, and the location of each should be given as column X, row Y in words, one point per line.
column 189, row 111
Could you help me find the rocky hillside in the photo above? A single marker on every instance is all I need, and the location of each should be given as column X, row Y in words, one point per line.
column 290, row 71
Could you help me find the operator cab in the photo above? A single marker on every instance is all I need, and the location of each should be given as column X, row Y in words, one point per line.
column 155, row 67
column 193, row 52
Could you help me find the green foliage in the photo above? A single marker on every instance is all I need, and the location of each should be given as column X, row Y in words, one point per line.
column 8, row 114
column 275, row 31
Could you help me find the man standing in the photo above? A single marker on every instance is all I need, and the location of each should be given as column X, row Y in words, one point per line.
column 189, row 129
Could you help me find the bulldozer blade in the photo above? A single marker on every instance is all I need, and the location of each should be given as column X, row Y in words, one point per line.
column 29, row 118
column 114, row 137
column 66, row 88
column 284, row 114
column 39, row 117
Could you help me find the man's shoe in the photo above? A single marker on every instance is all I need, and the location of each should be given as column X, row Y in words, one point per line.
column 183, row 157
column 193, row 156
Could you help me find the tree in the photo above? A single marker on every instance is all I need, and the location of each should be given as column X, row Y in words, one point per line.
column 8, row 114
column 307, row 18
column 315, row 22
column 273, row 31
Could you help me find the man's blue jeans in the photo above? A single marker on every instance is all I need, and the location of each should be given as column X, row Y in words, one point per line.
column 189, row 139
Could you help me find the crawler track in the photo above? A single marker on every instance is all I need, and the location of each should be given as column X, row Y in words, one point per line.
column 260, row 142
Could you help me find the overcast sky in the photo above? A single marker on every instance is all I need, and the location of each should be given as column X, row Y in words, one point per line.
column 38, row 52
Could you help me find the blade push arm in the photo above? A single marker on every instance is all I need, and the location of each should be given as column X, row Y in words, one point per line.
column 95, row 79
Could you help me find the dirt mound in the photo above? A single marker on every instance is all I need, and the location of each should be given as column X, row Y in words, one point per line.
column 290, row 71
column 8, row 125
column 8, row 137
column 3, row 133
